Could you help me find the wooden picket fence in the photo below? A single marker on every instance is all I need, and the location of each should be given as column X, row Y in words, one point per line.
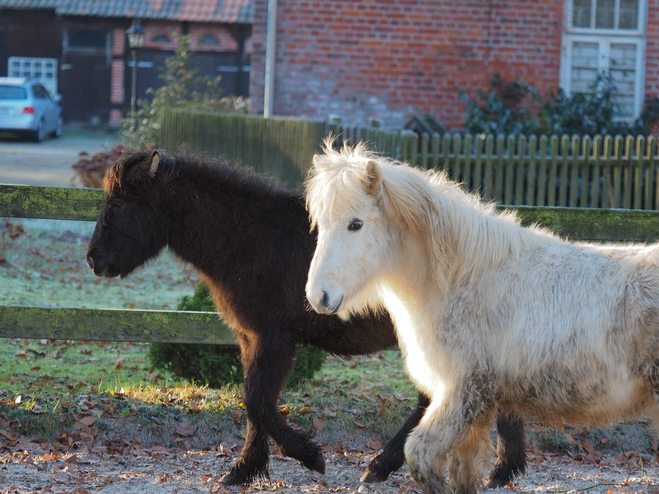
column 576, row 171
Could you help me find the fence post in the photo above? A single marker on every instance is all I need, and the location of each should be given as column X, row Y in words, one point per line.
column 574, row 173
column 585, row 172
column 530, row 184
column 466, row 169
column 639, row 172
column 521, row 167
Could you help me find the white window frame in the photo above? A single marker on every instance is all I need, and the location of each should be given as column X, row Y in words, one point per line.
column 639, row 31
column 604, row 60
column 605, row 37
column 27, row 67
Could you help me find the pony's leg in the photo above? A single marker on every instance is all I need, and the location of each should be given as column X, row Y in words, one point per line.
column 263, row 379
column 511, row 451
column 466, row 463
column 253, row 462
column 443, row 427
column 268, row 364
column 393, row 455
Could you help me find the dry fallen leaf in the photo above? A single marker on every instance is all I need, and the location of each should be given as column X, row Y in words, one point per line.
column 185, row 430
column 374, row 444
column 318, row 423
column 88, row 420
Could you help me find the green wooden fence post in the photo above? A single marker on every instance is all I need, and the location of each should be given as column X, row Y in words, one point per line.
column 522, row 170
column 532, row 173
column 489, row 167
column 477, row 183
column 639, row 172
column 574, row 175
column 563, row 178
column 585, row 171
column 553, row 171
column 509, row 172
column 434, row 162
column 456, row 169
column 466, row 170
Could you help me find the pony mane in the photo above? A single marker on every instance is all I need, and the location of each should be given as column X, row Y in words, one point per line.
column 463, row 234
column 204, row 169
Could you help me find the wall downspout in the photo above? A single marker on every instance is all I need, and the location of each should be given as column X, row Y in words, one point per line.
column 270, row 51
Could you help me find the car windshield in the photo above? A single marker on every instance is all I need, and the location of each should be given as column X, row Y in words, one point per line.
column 12, row 92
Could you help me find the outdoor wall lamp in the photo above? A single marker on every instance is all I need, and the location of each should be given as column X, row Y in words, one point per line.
column 136, row 37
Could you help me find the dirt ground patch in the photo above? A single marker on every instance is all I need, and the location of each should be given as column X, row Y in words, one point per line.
column 111, row 469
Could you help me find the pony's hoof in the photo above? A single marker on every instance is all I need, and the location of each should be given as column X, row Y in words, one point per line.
column 230, row 479
column 494, row 483
column 317, row 463
column 239, row 476
column 372, row 477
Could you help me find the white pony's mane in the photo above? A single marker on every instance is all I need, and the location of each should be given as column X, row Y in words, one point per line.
column 464, row 233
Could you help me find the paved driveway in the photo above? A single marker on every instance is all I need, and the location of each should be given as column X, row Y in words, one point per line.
column 49, row 162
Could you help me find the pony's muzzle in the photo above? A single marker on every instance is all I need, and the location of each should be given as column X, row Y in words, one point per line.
column 322, row 303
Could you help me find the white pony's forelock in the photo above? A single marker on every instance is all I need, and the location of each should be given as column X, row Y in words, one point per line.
column 337, row 181
column 334, row 170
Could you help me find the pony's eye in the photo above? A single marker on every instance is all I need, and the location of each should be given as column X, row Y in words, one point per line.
column 355, row 225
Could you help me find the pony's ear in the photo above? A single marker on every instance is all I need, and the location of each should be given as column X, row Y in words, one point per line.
column 373, row 179
column 318, row 162
column 151, row 164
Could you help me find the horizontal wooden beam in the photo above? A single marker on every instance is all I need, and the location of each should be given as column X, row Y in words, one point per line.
column 623, row 225
column 611, row 225
column 58, row 203
column 114, row 325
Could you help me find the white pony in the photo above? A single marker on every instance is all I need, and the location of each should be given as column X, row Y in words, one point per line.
column 490, row 315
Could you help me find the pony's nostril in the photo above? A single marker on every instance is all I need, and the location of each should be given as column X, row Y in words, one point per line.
column 324, row 299
column 90, row 262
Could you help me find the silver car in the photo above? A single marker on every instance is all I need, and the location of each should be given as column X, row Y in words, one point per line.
column 27, row 108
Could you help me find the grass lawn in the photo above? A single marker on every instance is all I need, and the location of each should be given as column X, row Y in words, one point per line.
column 48, row 386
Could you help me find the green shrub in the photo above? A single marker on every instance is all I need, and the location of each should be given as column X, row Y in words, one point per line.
column 218, row 365
column 183, row 88
column 517, row 108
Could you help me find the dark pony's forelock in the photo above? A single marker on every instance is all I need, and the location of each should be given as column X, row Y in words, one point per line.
column 115, row 176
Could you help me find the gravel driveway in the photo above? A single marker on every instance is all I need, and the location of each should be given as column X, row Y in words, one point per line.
column 49, row 162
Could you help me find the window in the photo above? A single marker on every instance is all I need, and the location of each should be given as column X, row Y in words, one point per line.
column 618, row 15
column 40, row 92
column 87, row 38
column 12, row 92
column 208, row 40
column 42, row 69
column 161, row 39
column 606, row 37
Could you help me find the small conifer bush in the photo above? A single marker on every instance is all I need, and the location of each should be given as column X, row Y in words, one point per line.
column 218, row 365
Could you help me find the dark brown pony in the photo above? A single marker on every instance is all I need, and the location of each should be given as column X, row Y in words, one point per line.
column 250, row 240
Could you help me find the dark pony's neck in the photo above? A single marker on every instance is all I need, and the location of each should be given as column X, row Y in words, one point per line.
column 215, row 212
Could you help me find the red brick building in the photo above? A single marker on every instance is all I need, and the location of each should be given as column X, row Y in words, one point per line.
column 83, row 43
column 388, row 59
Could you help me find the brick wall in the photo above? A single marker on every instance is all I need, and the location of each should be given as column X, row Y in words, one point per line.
column 391, row 58
column 652, row 49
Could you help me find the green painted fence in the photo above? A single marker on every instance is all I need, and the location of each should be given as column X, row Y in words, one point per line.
column 584, row 172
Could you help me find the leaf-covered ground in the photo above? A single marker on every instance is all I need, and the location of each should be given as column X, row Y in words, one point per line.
column 94, row 417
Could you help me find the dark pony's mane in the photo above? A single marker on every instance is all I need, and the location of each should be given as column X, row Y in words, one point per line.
column 202, row 169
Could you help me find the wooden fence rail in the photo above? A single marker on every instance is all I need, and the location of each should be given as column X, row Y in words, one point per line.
column 567, row 171
column 206, row 327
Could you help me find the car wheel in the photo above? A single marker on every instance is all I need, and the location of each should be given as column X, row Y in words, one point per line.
column 39, row 134
column 58, row 128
